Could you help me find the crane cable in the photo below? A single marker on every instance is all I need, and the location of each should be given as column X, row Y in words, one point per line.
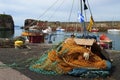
column 89, row 8
column 71, row 11
column 48, row 9
column 56, row 9
column 44, row 12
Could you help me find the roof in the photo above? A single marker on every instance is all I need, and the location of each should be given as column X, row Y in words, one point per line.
column 86, row 42
column 31, row 34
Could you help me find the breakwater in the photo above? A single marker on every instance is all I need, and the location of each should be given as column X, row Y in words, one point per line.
column 71, row 26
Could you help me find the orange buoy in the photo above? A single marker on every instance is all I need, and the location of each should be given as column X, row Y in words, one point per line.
column 104, row 37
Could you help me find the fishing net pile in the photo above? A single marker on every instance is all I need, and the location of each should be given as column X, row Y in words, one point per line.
column 68, row 58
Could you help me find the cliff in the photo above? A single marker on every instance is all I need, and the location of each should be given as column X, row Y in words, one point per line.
column 6, row 22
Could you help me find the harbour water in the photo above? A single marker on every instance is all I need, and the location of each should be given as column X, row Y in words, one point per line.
column 114, row 37
column 60, row 36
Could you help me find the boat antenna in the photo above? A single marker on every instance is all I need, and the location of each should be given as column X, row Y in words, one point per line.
column 71, row 11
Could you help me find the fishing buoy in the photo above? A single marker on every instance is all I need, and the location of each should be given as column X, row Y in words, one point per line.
column 104, row 37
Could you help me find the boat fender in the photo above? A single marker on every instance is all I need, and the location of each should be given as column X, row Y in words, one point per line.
column 86, row 55
column 18, row 43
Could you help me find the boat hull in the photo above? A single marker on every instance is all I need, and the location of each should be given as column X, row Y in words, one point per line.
column 113, row 31
column 94, row 30
column 60, row 29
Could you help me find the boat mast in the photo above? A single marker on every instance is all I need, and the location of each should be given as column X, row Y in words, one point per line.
column 83, row 23
column 81, row 7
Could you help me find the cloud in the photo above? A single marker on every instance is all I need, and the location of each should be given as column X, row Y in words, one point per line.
column 105, row 9
column 44, row 9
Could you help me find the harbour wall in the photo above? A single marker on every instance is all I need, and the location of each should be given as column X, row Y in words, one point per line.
column 71, row 26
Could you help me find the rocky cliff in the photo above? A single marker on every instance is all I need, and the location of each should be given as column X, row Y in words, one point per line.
column 6, row 22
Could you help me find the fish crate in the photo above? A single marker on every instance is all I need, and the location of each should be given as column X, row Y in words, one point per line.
column 36, row 39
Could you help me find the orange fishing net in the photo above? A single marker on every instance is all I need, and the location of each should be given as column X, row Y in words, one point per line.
column 69, row 55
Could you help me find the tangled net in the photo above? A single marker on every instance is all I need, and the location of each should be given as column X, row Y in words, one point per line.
column 65, row 57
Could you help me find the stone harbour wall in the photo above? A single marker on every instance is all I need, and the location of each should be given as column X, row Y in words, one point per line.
column 71, row 26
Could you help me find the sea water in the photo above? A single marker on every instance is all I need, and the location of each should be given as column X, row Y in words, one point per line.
column 60, row 36
column 57, row 37
column 116, row 40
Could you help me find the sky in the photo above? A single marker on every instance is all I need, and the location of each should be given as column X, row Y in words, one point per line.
column 59, row 10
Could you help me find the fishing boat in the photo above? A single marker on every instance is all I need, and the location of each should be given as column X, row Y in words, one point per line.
column 60, row 29
column 105, row 42
column 81, row 57
column 47, row 31
column 94, row 30
column 113, row 31
column 33, row 37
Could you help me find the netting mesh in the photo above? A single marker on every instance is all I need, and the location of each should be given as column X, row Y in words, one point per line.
column 40, row 64
column 65, row 57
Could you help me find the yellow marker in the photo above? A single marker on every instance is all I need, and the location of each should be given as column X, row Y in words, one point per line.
column 18, row 43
